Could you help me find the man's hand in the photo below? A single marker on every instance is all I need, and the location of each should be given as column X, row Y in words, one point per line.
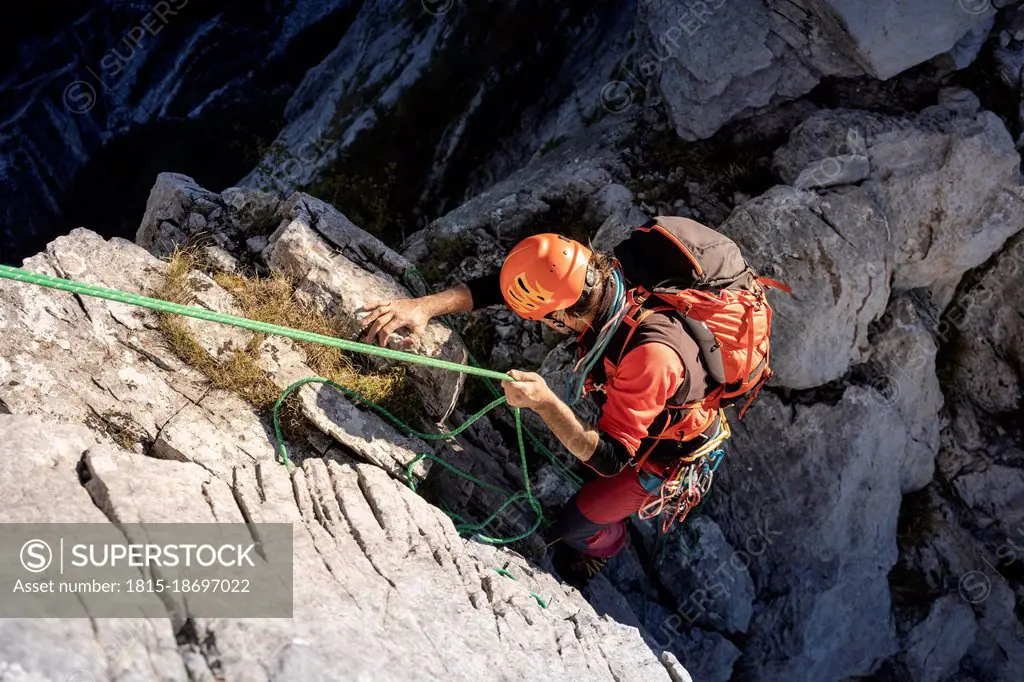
column 528, row 390
column 387, row 317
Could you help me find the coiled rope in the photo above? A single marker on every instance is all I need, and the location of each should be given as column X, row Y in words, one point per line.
column 95, row 291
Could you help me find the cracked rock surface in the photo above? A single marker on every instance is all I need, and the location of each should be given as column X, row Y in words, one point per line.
column 104, row 424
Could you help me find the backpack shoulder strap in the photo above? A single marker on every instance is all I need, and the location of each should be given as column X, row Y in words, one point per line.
column 643, row 325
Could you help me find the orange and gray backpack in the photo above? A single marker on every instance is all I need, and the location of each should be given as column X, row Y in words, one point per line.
column 717, row 317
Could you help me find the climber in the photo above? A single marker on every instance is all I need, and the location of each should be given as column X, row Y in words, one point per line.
column 658, row 380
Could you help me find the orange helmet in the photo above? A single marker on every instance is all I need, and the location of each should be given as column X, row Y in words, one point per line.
column 544, row 273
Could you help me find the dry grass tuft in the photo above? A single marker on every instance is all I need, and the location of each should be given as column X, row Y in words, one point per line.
column 273, row 300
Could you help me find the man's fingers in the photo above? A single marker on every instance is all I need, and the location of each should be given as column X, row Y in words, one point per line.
column 520, row 375
column 373, row 305
column 389, row 329
column 371, row 317
column 377, row 326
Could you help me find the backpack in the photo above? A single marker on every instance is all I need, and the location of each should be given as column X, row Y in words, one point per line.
column 702, row 275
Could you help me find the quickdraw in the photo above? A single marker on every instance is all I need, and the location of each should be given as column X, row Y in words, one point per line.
column 688, row 484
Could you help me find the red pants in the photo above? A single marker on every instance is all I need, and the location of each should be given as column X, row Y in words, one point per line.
column 593, row 522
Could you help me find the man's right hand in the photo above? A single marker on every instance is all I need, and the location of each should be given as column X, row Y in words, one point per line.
column 386, row 317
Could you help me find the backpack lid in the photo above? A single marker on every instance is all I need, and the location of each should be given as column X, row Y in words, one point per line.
column 676, row 252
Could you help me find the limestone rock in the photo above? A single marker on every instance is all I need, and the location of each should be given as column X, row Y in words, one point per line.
column 179, row 212
column 364, row 433
column 936, row 645
column 995, row 491
column 904, row 352
column 832, row 250
column 999, row 653
column 717, row 62
column 946, row 182
column 480, row 135
column 617, row 203
column 339, row 266
column 85, row 360
column 709, row 655
column 708, row 578
column 169, row 220
column 981, row 453
column 397, row 581
column 220, row 341
column 48, row 456
column 841, row 457
column 714, row 66
column 337, row 286
column 988, row 340
column 565, row 187
column 905, row 34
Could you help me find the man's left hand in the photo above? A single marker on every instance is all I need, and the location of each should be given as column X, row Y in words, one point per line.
column 528, row 390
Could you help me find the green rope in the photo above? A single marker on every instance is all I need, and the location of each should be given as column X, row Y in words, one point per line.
column 20, row 275
column 507, row 574
column 412, row 274
column 461, row 526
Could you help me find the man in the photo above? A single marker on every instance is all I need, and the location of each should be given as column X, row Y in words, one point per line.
column 652, row 363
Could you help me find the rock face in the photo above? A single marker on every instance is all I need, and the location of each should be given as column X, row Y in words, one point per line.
column 982, row 460
column 118, row 69
column 337, row 267
column 399, row 584
column 833, row 252
column 719, row 61
column 837, row 540
column 90, row 389
column 874, row 249
column 866, row 522
column 700, row 62
column 907, row 33
column 502, row 108
column 947, row 182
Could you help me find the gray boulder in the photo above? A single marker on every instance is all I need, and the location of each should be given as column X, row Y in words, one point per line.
column 902, row 358
column 708, row 578
column 566, row 190
column 714, row 66
column 832, row 250
column 339, row 287
column 836, row 539
column 936, row 645
column 388, row 568
column 397, row 581
column 947, row 182
column 48, row 455
column 721, row 61
column 339, row 267
column 905, row 34
column 979, row 458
